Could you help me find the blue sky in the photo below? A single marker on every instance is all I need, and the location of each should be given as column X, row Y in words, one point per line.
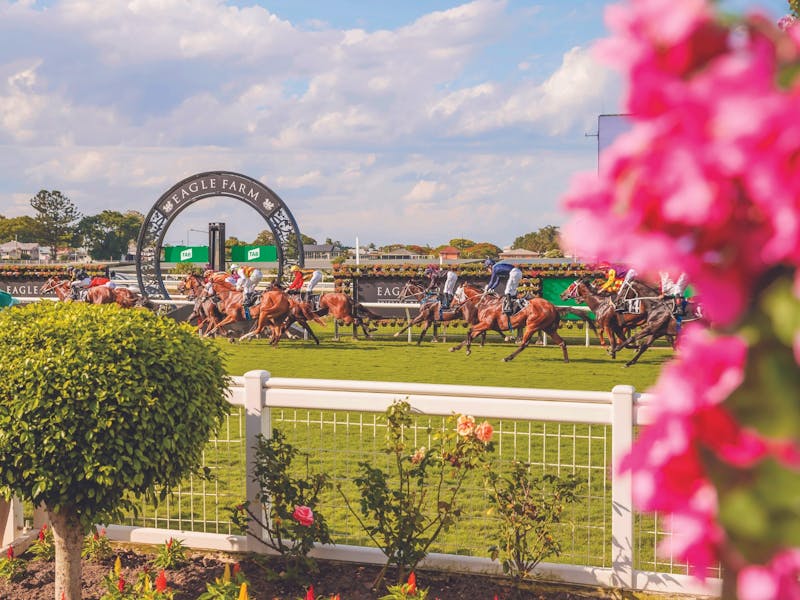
column 392, row 122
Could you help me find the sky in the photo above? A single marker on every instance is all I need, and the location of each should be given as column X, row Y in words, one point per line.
column 388, row 122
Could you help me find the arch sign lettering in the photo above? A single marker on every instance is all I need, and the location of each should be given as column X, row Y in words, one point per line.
column 288, row 241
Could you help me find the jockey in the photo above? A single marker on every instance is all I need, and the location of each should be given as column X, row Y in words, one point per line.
column 297, row 282
column 514, row 277
column 449, row 289
column 498, row 270
column 674, row 290
column 248, row 278
column 80, row 280
column 622, row 292
column 233, row 278
column 614, row 277
column 435, row 275
column 316, row 277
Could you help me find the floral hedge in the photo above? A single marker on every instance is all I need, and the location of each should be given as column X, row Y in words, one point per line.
column 476, row 269
column 531, row 283
column 46, row 271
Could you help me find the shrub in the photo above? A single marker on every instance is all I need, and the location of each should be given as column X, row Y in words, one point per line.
column 44, row 548
column 11, row 567
column 97, row 546
column 123, row 401
column 403, row 513
column 528, row 508
column 293, row 524
column 170, row 555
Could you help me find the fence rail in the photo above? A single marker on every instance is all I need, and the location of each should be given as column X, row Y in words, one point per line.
column 541, row 427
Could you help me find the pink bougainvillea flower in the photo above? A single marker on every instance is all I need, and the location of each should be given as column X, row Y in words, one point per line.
column 778, row 580
column 303, row 515
column 465, row 425
column 484, row 432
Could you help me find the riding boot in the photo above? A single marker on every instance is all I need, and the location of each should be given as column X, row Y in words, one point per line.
column 248, row 300
column 507, row 304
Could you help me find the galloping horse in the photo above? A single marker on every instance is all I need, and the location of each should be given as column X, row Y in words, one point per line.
column 271, row 310
column 301, row 313
column 538, row 315
column 607, row 320
column 343, row 308
column 205, row 309
column 99, row 294
column 430, row 310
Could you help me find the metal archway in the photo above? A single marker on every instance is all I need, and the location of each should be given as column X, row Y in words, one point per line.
column 207, row 185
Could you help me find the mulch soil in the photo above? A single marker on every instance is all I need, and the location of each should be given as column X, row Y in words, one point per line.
column 350, row 581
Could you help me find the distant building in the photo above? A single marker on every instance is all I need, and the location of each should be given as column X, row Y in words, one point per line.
column 322, row 251
column 519, row 254
column 15, row 250
column 449, row 253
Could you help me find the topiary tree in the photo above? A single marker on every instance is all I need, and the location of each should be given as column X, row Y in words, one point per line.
column 98, row 404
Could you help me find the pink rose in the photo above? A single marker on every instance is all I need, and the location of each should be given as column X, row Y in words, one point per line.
column 465, row 425
column 303, row 515
column 484, row 431
column 418, row 456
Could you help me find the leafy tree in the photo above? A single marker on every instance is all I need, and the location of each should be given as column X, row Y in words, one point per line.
column 291, row 243
column 461, row 243
column 420, row 249
column 481, row 250
column 108, row 234
column 265, row 238
column 541, row 241
column 88, row 431
column 57, row 216
column 24, row 229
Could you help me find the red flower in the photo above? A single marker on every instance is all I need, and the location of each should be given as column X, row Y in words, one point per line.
column 121, row 584
column 236, row 569
column 161, row 581
column 10, row 552
column 411, row 586
column 310, row 593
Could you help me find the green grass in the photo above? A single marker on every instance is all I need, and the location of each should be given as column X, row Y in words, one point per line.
column 336, row 441
column 387, row 358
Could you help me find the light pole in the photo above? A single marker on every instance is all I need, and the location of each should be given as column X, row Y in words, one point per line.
column 192, row 229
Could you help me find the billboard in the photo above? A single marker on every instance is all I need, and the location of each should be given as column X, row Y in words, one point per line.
column 254, row 253
column 609, row 127
column 179, row 254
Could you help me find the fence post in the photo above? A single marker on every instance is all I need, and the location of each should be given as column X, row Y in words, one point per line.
column 256, row 421
column 621, row 487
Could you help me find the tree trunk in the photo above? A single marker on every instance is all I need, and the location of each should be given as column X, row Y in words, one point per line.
column 68, row 538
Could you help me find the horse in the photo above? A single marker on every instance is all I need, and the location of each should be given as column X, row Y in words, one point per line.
column 99, row 294
column 537, row 315
column 608, row 320
column 301, row 313
column 661, row 322
column 271, row 309
column 343, row 308
column 430, row 310
column 205, row 309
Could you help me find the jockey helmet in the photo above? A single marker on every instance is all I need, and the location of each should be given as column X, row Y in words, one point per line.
column 295, row 268
column 488, row 262
column 208, row 272
column 234, row 268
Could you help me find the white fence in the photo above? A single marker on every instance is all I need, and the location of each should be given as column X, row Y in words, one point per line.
column 263, row 403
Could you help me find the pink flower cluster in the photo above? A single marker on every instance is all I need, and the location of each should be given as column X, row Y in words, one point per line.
column 465, row 426
column 708, row 180
column 303, row 515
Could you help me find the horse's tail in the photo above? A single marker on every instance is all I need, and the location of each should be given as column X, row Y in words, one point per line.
column 364, row 311
column 563, row 311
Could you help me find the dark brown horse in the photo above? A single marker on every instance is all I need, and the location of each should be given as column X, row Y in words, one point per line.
column 343, row 308
column 431, row 312
column 205, row 309
column 608, row 320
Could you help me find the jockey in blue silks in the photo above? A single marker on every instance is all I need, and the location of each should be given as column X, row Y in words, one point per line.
column 499, row 269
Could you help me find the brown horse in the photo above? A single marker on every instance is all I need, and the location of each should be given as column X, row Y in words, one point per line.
column 205, row 309
column 608, row 321
column 301, row 313
column 270, row 310
column 343, row 308
column 538, row 315
column 99, row 294
column 431, row 312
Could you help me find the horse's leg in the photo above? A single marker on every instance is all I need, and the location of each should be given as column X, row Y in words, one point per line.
column 530, row 329
column 310, row 331
column 643, row 345
column 559, row 341
column 424, row 329
column 415, row 321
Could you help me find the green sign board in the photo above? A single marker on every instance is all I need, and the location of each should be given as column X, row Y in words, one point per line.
column 254, row 254
column 553, row 287
column 179, row 254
